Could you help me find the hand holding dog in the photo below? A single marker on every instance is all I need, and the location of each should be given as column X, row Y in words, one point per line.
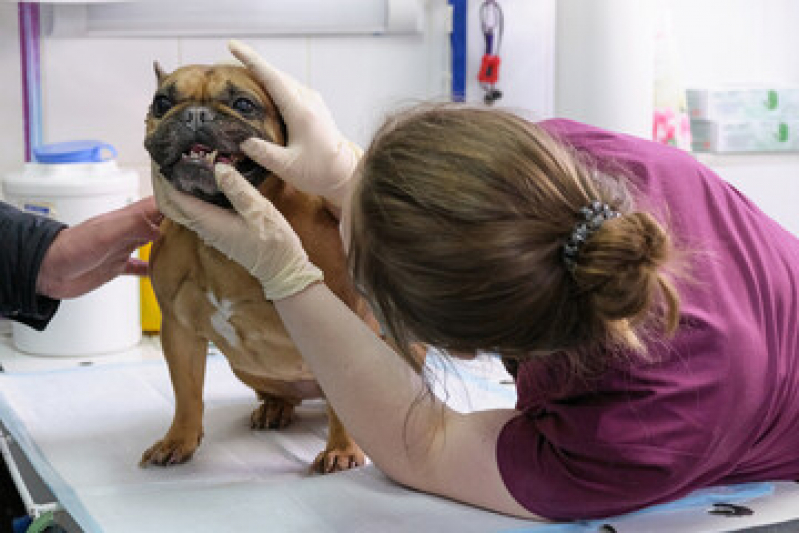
column 255, row 236
column 85, row 256
column 318, row 159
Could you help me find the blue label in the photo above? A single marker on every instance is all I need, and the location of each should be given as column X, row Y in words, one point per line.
column 39, row 209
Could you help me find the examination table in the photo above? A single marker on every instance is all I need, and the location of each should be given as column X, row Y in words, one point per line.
column 83, row 428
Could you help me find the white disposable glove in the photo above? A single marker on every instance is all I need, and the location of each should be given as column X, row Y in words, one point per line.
column 317, row 160
column 255, row 236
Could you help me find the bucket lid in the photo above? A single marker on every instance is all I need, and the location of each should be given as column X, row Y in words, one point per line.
column 74, row 152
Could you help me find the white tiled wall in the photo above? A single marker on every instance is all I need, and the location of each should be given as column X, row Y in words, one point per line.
column 100, row 88
column 737, row 40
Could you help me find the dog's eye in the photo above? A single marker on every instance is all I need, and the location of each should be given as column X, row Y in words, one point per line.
column 244, row 105
column 161, row 104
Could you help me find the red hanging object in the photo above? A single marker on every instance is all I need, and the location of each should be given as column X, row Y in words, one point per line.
column 491, row 24
column 489, row 69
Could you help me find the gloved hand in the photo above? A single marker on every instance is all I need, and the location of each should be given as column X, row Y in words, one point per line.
column 256, row 236
column 317, row 160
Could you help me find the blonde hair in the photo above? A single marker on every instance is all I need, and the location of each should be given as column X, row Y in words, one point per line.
column 458, row 224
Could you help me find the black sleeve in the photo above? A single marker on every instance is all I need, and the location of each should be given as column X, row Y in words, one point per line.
column 24, row 239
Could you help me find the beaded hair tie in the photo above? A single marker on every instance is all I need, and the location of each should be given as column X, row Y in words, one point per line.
column 595, row 214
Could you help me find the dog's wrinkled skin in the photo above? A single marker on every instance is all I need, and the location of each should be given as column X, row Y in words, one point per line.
column 199, row 115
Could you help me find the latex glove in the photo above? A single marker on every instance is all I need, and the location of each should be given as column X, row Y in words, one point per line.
column 255, row 236
column 317, row 160
column 165, row 195
column 83, row 257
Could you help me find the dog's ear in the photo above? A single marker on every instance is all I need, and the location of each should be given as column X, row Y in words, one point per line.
column 160, row 73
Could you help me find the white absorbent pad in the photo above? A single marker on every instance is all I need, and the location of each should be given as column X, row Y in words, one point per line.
column 84, row 430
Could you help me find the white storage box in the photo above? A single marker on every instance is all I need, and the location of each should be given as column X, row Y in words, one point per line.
column 743, row 103
column 745, row 136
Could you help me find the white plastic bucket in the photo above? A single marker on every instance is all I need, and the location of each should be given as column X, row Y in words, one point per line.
column 107, row 319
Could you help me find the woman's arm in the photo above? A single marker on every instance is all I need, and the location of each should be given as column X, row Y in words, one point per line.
column 24, row 241
column 434, row 449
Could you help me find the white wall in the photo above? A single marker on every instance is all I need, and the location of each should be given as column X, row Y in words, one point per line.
column 526, row 74
column 771, row 181
column 12, row 146
column 743, row 41
column 604, row 64
column 737, row 40
column 100, row 88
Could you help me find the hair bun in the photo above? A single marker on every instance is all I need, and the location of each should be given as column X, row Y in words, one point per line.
column 621, row 269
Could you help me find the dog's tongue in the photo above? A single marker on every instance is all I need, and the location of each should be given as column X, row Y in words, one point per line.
column 197, row 147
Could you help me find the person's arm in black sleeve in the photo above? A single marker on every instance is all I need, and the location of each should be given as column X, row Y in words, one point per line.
column 24, row 240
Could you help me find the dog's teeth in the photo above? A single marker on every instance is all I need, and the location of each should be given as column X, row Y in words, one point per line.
column 212, row 156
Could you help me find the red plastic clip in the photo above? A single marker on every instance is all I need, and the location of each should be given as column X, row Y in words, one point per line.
column 489, row 69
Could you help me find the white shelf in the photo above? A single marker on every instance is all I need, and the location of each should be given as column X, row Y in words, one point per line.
column 714, row 160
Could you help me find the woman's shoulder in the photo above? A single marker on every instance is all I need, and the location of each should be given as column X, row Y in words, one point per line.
column 603, row 144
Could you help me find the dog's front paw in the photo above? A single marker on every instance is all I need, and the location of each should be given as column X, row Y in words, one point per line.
column 338, row 460
column 170, row 451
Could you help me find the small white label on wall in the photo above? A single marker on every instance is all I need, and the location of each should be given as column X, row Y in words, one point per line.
column 44, row 209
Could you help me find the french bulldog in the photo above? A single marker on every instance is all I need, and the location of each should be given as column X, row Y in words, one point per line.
column 198, row 117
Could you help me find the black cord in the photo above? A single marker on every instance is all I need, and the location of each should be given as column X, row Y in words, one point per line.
column 492, row 26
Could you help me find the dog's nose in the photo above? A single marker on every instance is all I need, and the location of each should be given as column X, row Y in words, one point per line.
column 195, row 117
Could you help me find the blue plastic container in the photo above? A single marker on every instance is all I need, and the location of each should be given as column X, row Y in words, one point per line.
column 87, row 151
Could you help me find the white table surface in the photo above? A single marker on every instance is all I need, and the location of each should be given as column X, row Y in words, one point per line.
column 84, row 428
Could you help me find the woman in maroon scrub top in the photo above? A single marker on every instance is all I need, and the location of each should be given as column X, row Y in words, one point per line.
column 649, row 308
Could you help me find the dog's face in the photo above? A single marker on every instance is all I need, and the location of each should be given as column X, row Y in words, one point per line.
column 198, row 117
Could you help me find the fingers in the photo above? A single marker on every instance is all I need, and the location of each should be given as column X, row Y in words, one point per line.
column 269, row 155
column 277, row 84
column 149, row 210
column 136, row 267
column 245, row 198
column 146, row 222
column 147, row 207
